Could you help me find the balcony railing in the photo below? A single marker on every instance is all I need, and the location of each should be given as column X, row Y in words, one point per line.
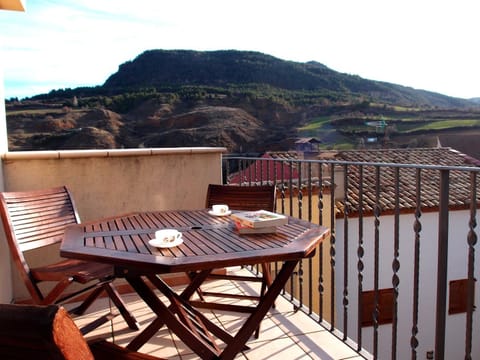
column 396, row 279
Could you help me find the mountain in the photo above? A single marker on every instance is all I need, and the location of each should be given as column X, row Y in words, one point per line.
column 242, row 100
column 475, row 100
column 225, row 68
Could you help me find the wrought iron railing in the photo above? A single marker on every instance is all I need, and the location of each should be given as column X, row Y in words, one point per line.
column 396, row 279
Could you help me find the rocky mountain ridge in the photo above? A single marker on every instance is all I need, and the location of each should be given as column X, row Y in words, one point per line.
column 159, row 68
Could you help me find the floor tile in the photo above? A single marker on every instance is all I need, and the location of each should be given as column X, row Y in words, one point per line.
column 285, row 333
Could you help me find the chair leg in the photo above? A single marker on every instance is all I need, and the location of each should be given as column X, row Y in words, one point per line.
column 56, row 291
column 97, row 322
column 120, row 304
column 92, row 296
column 80, row 309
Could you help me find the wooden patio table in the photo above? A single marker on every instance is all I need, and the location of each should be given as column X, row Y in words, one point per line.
column 209, row 242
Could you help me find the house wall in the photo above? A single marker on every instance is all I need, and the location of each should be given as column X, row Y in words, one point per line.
column 111, row 182
column 457, row 269
column 310, row 267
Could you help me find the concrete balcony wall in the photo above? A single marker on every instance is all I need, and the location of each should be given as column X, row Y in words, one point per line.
column 109, row 182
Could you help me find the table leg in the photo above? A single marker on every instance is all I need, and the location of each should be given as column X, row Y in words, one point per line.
column 196, row 279
column 166, row 317
column 194, row 329
column 201, row 343
column 253, row 321
column 183, row 300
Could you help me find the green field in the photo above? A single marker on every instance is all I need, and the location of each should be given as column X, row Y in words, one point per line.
column 336, row 132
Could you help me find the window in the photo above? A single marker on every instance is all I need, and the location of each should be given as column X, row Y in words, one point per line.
column 385, row 306
column 458, row 296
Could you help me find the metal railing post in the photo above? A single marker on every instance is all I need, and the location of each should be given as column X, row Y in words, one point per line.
column 440, row 320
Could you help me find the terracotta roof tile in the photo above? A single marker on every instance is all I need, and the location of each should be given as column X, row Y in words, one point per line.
column 267, row 170
column 430, row 179
column 459, row 180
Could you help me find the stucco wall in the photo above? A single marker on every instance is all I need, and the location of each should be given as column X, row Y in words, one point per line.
column 311, row 266
column 106, row 183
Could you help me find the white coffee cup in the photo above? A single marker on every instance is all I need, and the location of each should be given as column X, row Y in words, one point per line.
column 167, row 235
column 220, row 209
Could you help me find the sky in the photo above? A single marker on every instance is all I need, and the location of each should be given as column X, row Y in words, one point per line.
column 424, row 44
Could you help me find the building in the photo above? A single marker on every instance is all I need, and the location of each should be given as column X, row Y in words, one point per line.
column 387, row 226
column 307, row 145
column 396, row 263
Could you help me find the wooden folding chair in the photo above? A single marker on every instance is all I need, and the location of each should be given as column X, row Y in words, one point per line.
column 248, row 198
column 47, row 332
column 35, row 219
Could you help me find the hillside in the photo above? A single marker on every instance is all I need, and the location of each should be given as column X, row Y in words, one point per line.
column 34, row 126
column 245, row 101
column 167, row 68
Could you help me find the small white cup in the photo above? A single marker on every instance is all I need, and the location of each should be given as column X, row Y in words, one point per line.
column 220, row 209
column 167, row 235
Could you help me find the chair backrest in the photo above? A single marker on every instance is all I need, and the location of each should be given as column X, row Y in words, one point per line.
column 40, row 332
column 261, row 197
column 33, row 219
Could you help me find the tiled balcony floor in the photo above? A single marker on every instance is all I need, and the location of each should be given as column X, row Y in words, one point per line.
column 285, row 334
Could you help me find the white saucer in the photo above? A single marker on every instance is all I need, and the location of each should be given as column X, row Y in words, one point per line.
column 162, row 244
column 219, row 214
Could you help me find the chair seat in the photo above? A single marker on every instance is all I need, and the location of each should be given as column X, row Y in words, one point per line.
column 81, row 271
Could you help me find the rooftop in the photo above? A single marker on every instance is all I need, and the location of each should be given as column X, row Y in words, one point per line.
column 407, row 186
column 285, row 168
column 420, row 156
